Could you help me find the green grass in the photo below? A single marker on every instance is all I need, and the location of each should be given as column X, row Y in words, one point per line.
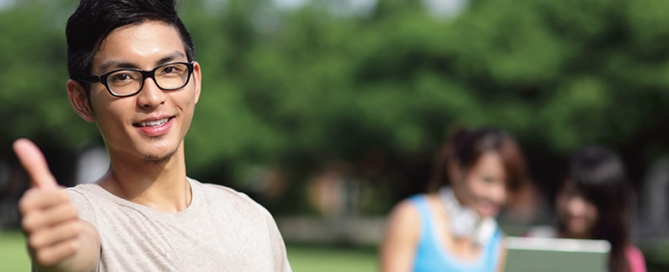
column 303, row 258
column 13, row 254
column 306, row 258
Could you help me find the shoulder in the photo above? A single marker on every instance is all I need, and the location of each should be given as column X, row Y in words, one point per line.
column 81, row 189
column 90, row 192
column 405, row 209
column 402, row 232
column 635, row 259
column 223, row 191
column 405, row 217
column 82, row 196
column 414, row 209
column 228, row 197
column 410, row 208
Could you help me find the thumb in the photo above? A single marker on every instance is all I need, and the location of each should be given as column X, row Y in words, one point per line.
column 33, row 161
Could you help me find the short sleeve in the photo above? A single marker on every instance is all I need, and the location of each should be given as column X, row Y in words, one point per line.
column 83, row 206
column 277, row 244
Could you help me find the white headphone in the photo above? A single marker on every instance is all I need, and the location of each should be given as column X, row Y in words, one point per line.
column 464, row 221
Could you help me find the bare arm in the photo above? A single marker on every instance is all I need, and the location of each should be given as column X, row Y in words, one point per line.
column 401, row 239
column 57, row 239
column 502, row 256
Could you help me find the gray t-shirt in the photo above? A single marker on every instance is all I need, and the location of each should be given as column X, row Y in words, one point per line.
column 221, row 230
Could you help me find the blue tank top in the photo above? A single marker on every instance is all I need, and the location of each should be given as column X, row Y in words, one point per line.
column 431, row 255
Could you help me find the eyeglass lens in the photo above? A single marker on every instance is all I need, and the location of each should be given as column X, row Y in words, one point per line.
column 168, row 77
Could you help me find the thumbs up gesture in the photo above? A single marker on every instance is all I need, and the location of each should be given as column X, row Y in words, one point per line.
column 49, row 219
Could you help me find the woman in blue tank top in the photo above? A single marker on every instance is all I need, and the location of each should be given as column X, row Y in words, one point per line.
column 452, row 228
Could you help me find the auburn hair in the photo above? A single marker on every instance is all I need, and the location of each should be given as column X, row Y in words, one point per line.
column 465, row 147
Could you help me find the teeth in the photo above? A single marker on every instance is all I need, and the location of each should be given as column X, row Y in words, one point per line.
column 154, row 123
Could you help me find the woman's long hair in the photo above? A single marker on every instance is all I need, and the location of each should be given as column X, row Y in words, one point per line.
column 465, row 147
column 598, row 175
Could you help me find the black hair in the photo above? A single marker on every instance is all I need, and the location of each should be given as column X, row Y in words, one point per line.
column 598, row 175
column 466, row 147
column 93, row 20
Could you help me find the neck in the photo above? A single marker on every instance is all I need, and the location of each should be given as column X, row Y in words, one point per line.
column 161, row 185
column 460, row 198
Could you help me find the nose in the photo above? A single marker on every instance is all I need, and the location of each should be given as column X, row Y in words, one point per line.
column 150, row 96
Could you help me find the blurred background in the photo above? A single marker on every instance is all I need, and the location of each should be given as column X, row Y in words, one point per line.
column 329, row 112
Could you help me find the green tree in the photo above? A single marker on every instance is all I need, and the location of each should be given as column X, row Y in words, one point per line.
column 297, row 88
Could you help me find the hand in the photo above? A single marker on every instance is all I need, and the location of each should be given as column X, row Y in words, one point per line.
column 49, row 220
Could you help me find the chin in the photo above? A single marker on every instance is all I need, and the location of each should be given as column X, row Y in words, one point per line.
column 577, row 230
column 487, row 213
column 162, row 146
column 160, row 155
column 156, row 159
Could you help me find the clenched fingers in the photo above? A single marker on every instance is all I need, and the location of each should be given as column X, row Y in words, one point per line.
column 51, row 255
column 38, row 199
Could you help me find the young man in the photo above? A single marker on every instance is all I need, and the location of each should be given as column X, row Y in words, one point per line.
column 132, row 72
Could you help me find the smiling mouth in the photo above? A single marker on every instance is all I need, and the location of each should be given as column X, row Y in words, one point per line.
column 153, row 123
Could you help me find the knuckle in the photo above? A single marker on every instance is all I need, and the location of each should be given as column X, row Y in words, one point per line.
column 73, row 229
column 62, row 196
column 72, row 247
column 34, row 242
column 44, row 258
column 23, row 205
column 72, row 211
column 30, row 223
column 26, row 201
column 25, row 224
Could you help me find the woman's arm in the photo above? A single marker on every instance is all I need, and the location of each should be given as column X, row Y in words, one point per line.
column 502, row 256
column 401, row 238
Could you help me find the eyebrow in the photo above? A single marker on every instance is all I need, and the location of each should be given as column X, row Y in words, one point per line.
column 123, row 64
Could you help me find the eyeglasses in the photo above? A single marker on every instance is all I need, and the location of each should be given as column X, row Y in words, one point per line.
column 129, row 82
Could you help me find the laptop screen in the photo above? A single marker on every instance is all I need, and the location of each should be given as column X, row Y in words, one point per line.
column 529, row 254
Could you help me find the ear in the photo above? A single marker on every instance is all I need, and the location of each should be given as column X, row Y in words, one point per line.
column 197, row 80
column 79, row 100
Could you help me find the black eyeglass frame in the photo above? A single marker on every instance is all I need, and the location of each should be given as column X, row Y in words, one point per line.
column 145, row 73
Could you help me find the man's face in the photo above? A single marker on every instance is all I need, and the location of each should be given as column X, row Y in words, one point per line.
column 152, row 124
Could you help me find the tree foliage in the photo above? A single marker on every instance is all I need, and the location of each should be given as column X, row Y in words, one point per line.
column 296, row 88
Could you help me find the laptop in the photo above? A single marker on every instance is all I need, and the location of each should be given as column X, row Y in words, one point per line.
column 530, row 254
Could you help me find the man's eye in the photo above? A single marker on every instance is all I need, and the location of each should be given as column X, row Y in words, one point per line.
column 121, row 77
column 174, row 69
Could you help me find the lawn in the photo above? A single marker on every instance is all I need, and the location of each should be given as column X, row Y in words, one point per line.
column 307, row 258
column 13, row 255
column 303, row 258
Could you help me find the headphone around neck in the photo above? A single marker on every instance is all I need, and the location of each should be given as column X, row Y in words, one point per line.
column 464, row 221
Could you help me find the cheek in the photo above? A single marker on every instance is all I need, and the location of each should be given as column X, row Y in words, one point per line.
column 561, row 205
column 186, row 101
column 591, row 213
column 491, row 189
column 479, row 188
column 112, row 116
column 110, row 111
